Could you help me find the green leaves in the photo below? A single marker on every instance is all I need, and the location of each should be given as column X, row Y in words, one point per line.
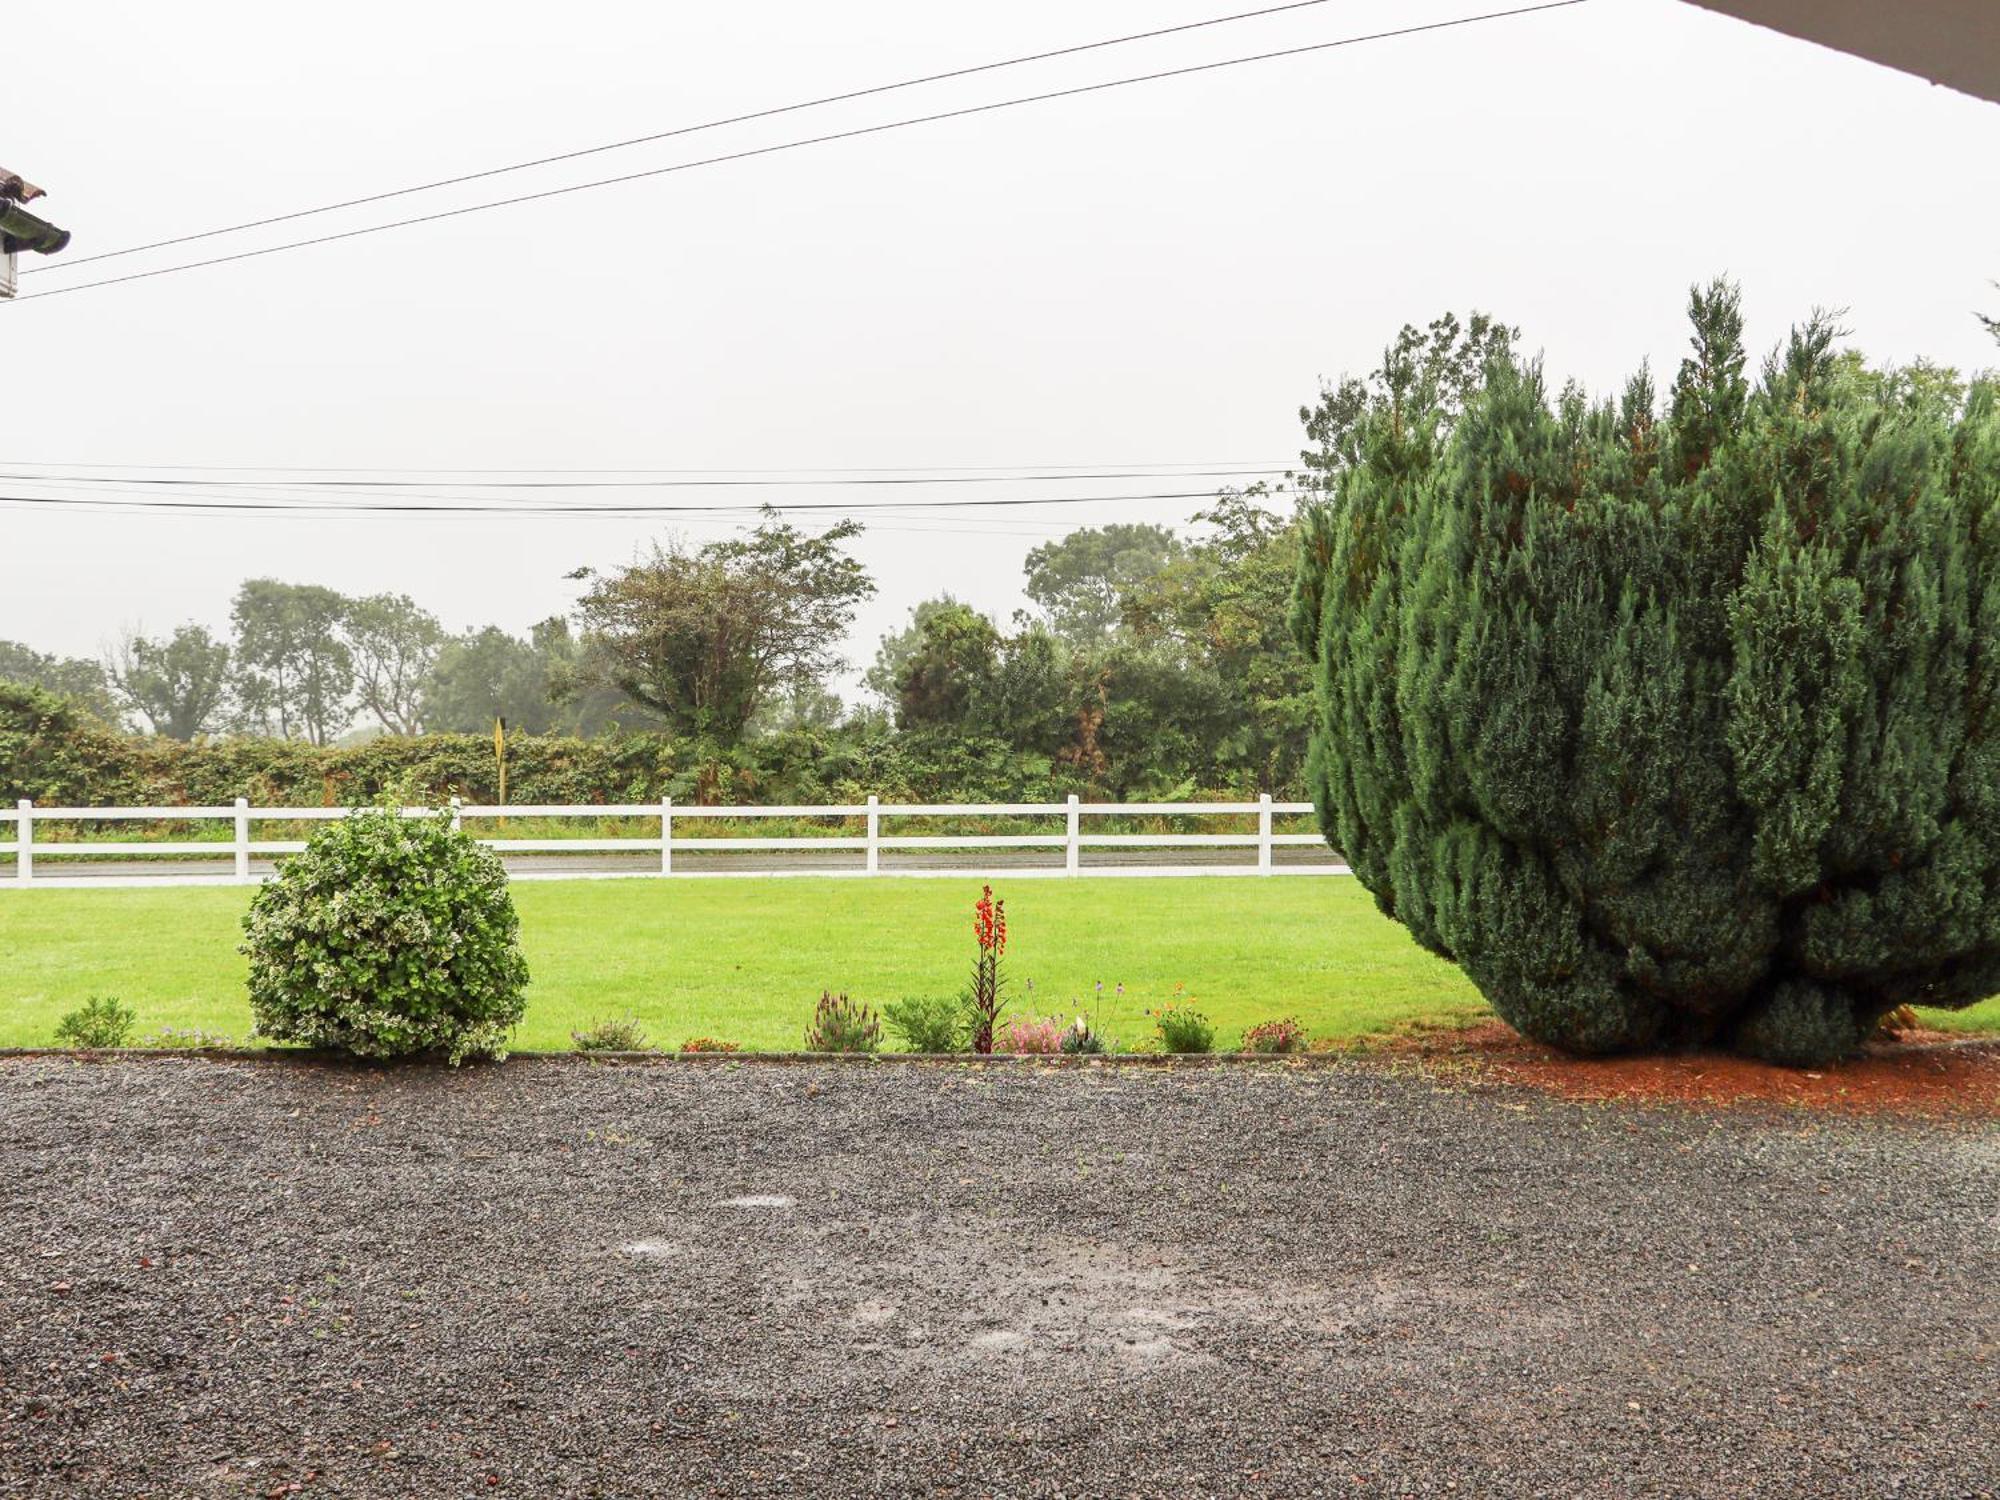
column 1677, row 727
column 703, row 638
column 388, row 936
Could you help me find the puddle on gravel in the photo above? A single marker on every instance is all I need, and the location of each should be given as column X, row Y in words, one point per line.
column 953, row 1298
column 760, row 1200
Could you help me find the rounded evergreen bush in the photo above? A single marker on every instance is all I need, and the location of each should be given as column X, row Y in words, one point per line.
column 1673, row 727
column 388, row 936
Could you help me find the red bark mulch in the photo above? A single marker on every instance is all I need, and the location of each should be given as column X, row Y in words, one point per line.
column 1919, row 1073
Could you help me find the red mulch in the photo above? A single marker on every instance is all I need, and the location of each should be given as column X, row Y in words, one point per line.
column 1919, row 1073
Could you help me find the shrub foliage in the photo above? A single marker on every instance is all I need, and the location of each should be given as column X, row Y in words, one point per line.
column 1182, row 1028
column 613, row 1034
column 388, row 936
column 1681, row 727
column 843, row 1025
column 928, row 1023
column 98, row 1022
column 1283, row 1036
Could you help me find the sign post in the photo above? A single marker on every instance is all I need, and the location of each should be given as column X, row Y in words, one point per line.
column 500, row 756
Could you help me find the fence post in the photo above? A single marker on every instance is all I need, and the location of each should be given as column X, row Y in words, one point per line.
column 1073, row 844
column 874, row 835
column 24, row 840
column 666, row 835
column 242, row 838
column 457, row 822
column 1264, row 833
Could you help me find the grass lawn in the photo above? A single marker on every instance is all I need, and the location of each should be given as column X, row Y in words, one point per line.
column 746, row 959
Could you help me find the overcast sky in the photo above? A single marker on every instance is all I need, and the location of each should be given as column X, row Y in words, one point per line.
column 1153, row 275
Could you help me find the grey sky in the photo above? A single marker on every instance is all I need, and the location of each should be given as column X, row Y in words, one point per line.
column 1157, row 274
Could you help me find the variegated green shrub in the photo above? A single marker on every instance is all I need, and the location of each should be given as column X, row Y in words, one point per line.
column 387, row 937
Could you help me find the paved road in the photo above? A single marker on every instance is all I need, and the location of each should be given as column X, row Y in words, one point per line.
column 129, row 871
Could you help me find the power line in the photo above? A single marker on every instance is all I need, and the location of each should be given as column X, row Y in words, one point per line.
column 350, row 485
column 839, row 135
column 446, row 506
column 101, row 503
column 684, row 130
column 1188, row 465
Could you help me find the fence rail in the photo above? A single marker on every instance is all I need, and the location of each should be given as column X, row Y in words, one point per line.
column 249, row 860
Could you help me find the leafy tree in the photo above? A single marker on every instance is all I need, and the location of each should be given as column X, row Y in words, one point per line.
column 1672, row 728
column 1165, row 722
column 806, row 708
column 53, row 750
column 483, row 675
column 953, row 664
column 70, row 676
column 394, row 645
column 1036, row 698
column 1080, row 580
column 178, row 686
column 296, row 673
column 1222, row 606
column 703, row 638
column 884, row 677
column 1425, row 378
column 532, row 684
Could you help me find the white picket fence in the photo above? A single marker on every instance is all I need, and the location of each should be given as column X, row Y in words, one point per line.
column 115, row 861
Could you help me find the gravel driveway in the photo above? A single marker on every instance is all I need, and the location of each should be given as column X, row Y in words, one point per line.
column 552, row 1278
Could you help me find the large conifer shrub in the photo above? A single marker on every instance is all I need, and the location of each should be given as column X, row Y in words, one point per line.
column 1679, row 727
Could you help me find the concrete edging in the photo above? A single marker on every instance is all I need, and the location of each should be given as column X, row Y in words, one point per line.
column 295, row 1055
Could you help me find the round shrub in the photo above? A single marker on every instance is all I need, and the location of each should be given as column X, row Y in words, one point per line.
column 1673, row 725
column 388, row 936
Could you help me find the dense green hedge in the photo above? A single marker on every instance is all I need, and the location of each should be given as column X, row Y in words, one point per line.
column 53, row 752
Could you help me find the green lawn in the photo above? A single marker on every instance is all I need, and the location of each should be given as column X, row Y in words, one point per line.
column 746, row 959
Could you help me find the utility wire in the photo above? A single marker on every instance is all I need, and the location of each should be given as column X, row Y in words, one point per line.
column 682, row 130
column 893, row 517
column 350, row 485
column 1245, row 465
column 445, row 506
column 839, row 135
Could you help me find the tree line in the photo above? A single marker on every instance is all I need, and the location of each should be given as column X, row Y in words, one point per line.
column 1152, row 661
column 1160, row 650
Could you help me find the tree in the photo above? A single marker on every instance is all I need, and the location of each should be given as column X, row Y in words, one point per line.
column 703, row 638
column 884, row 677
column 805, row 708
column 1680, row 728
column 394, row 645
column 1424, row 379
column 295, row 670
column 485, row 675
column 1038, row 694
column 1080, row 580
column 53, row 750
column 488, row 674
column 956, row 653
column 178, row 686
column 1222, row 608
column 71, row 676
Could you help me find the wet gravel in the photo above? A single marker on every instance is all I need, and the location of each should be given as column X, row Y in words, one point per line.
column 550, row 1278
